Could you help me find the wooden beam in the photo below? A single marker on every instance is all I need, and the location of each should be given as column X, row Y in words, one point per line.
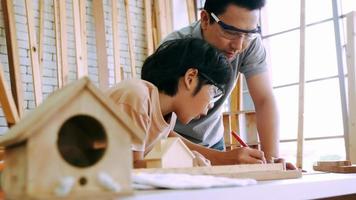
column 130, row 39
column 83, row 25
column 116, row 41
column 7, row 102
column 350, row 138
column 300, row 139
column 36, row 74
column 236, row 106
column 13, row 56
column 61, row 41
column 99, row 22
column 78, row 39
column 40, row 38
column 149, row 25
column 191, row 11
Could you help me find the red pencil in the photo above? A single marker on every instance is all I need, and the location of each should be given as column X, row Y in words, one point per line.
column 238, row 138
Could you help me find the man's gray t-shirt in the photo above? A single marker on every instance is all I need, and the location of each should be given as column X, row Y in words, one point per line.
column 209, row 129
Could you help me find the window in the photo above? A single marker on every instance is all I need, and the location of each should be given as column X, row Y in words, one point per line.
column 323, row 125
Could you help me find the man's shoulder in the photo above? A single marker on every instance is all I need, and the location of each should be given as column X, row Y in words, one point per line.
column 185, row 32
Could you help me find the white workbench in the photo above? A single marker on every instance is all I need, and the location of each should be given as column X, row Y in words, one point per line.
column 310, row 186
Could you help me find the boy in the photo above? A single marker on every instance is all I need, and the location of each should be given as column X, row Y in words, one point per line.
column 182, row 79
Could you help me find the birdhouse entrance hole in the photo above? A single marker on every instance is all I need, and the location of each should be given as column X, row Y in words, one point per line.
column 82, row 141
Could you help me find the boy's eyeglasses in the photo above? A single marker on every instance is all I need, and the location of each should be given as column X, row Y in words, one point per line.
column 217, row 91
column 231, row 33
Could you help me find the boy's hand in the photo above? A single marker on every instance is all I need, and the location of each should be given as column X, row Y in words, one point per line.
column 244, row 155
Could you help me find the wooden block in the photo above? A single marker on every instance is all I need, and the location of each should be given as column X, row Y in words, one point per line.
column 336, row 169
column 334, row 163
column 271, row 171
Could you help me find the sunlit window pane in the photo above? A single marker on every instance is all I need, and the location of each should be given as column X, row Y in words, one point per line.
column 283, row 57
column 322, row 114
column 320, row 53
column 287, row 102
column 280, row 15
column 324, row 10
column 318, row 150
column 348, row 6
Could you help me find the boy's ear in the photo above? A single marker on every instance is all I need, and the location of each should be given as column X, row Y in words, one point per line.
column 190, row 77
column 204, row 19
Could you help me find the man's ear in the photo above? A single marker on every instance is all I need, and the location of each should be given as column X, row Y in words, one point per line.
column 190, row 78
column 204, row 19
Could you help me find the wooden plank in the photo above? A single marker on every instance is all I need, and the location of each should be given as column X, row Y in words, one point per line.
column 334, row 163
column 130, row 39
column 149, row 25
column 100, row 37
column 13, row 56
column 40, row 38
column 63, row 40
column 335, row 169
column 116, row 41
column 271, row 171
column 78, row 41
column 300, row 138
column 83, row 25
column 36, row 74
column 350, row 138
column 236, row 106
column 7, row 102
column 58, row 44
column 191, row 11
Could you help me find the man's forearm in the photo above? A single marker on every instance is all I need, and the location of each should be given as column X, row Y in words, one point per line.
column 267, row 126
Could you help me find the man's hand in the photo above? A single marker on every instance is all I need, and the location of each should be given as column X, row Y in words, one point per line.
column 288, row 165
column 243, row 155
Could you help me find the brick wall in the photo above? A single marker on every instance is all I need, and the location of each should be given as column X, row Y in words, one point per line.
column 49, row 75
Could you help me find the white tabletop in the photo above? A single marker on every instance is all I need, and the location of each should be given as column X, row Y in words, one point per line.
column 310, row 186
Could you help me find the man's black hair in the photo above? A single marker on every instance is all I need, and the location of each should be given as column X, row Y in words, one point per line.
column 219, row 6
column 173, row 58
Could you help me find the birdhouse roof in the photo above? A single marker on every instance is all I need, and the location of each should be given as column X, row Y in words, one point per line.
column 55, row 104
column 161, row 149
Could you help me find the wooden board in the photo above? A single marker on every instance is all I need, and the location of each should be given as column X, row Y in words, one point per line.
column 116, row 41
column 40, row 38
column 13, row 55
column 130, row 39
column 149, row 25
column 256, row 171
column 336, row 169
column 83, row 29
column 81, row 71
column 36, row 72
column 350, row 138
column 7, row 102
column 191, row 11
column 100, row 37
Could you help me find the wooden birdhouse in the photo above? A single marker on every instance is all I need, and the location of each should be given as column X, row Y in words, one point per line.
column 169, row 153
column 75, row 144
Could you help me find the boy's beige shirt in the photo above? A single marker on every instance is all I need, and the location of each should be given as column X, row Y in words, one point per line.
column 140, row 100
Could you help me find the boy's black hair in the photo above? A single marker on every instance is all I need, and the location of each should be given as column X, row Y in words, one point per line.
column 173, row 58
column 219, row 6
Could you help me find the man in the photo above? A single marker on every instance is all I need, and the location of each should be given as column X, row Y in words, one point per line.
column 232, row 27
